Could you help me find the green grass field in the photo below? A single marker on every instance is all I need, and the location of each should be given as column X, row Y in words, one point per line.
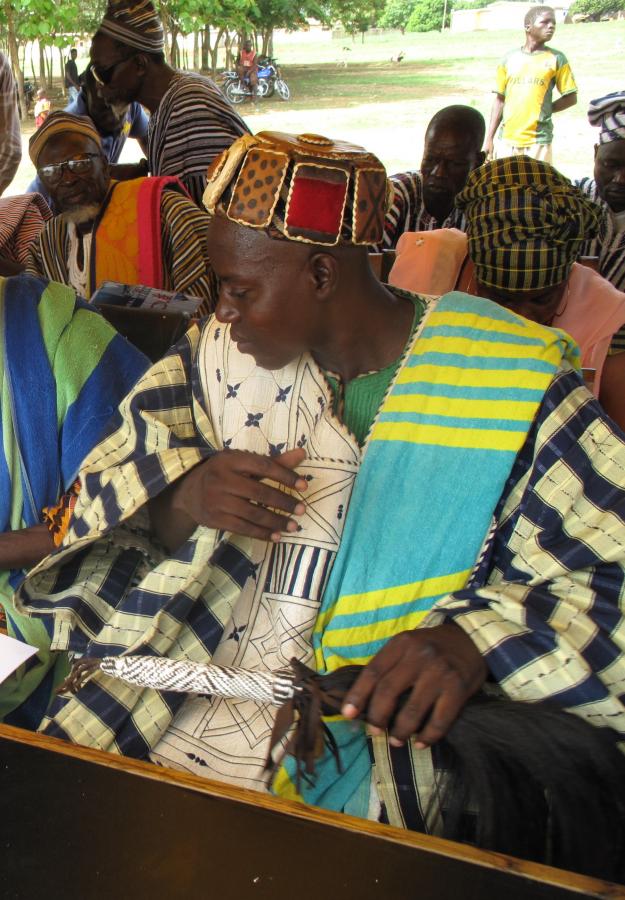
column 358, row 94
column 387, row 105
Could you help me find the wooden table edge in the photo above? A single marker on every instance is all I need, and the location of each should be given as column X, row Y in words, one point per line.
column 439, row 846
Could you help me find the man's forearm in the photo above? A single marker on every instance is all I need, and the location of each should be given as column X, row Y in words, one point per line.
column 564, row 102
column 25, row 548
column 496, row 116
column 170, row 526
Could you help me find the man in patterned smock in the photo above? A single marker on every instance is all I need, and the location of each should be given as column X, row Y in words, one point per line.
column 523, row 97
column 424, row 200
column 319, row 471
column 608, row 188
column 191, row 121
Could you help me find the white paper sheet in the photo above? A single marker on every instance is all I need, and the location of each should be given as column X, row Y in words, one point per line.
column 12, row 654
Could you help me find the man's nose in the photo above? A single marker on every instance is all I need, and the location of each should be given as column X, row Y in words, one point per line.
column 226, row 310
column 619, row 175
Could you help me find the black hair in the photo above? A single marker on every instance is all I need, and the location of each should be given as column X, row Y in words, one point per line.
column 465, row 119
column 532, row 14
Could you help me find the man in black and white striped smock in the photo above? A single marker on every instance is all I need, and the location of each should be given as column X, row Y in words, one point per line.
column 191, row 121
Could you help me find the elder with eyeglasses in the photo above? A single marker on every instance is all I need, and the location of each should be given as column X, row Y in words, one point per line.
column 145, row 231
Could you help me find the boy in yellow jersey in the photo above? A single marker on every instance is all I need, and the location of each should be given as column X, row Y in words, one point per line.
column 524, row 92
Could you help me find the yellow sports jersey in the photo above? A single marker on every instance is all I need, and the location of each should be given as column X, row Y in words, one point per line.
column 526, row 81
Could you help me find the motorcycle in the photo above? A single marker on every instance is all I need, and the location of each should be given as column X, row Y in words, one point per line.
column 270, row 81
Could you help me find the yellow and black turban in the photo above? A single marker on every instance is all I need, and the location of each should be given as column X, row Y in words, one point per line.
column 135, row 24
column 300, row 188
column 61, row 122
column 526, row 223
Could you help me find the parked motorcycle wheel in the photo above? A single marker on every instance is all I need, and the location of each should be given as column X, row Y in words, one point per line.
column 269, row 87
column 234, row 93
column 283, row 89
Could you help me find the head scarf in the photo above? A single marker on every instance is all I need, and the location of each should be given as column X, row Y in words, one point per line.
column 525, row 223
column 61, row 122
column 608, row 114
column 135, row 24
column 306, row 188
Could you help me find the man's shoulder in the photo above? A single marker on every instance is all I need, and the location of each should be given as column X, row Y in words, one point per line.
column 410, row 182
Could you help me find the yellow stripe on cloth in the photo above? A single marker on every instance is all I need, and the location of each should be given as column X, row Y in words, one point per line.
column 513, row 410
column 441, row 435
column 475, row 378
column 485, row 323
column 501, row 349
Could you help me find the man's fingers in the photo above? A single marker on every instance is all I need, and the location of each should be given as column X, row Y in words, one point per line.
column 257, row 516
column 431, row 707
column 442, row 716
column 269, row 468
column 264, row 494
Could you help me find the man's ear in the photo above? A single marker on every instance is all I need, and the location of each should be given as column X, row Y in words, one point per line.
column 141, row 62
column 596, row 150
column 324, row 270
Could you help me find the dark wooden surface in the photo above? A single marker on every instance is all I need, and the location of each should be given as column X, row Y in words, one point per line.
column 77, row 824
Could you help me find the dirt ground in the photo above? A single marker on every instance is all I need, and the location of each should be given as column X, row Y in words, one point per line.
column 356, row 92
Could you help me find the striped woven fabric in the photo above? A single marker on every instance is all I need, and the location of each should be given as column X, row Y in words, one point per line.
column 134, row 23
column 183, row 241
column 407, row 210
column 526, row 223
column 457, row 416
column 22, row 220
column 192, row 125
column 609, row 245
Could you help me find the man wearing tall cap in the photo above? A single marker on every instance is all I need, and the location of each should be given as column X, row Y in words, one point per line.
column 424, row 200
column 191, row 121
column 272, row 534
column 608, row 188
column 144, row 231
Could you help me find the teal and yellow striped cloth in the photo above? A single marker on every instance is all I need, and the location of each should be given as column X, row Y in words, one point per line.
column 444, row 443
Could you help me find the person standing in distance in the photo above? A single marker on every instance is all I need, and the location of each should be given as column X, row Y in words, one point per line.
column 523, row 103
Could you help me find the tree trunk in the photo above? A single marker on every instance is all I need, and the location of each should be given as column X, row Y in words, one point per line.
column 215, row 52
column 267, row 38
column 14, row 54
column 229, row 41
column 206, row 45
column 62, row 65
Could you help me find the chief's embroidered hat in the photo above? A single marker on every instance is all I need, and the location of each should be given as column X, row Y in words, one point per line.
column 300, row 188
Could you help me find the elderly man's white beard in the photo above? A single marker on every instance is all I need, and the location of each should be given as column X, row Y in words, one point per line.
column 80, row 215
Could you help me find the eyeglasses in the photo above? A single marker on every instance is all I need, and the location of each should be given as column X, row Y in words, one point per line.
column 78, row 166
column 104, row 74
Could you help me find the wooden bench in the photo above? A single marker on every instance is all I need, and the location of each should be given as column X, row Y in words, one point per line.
column 80, row 824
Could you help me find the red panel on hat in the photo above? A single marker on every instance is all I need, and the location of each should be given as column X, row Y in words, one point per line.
column 316, row 205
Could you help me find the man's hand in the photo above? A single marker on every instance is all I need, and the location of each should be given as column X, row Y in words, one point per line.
column 440, row 667
column 229, row 492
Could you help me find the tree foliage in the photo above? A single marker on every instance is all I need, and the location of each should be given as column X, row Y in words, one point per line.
column 595, row 9
column 428, row 16
column 397, row 13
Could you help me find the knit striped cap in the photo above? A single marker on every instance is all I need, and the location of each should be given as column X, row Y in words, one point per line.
column 525, row 223
column 608, row 114
column 61, row 122
column 134, row 24
column 300, row 188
